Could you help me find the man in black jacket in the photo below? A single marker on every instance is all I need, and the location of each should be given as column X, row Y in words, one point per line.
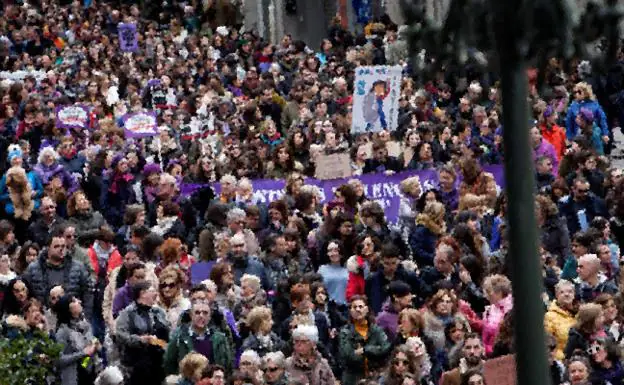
column 581, row 207
column 54, row 268
column 381, row 162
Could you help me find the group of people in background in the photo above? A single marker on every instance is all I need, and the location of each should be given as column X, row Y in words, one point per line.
column 105, row 256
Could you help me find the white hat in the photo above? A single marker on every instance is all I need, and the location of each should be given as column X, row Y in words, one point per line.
column 309, row 332
column 110, row 376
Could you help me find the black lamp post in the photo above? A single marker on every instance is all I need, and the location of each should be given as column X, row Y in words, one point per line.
column 506, row 36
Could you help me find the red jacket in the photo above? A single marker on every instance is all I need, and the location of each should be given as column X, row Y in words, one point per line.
column 356, row 283
column 114, row 260
column 555, row 136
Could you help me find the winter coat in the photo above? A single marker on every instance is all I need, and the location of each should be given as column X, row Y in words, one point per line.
column 76, row 281
column 558, row 322
column 423, row 240
column 116, row 202
column 35, row 185
column 75, row 164
column 555, row 237
column 303, row 372
column 492, row 319
column 572, row 129
column 376, row 286
column 74, row 338
column 47, row 173
column 577, row 342
column 273, row 344
column 586, row 293
column 358, row 269
column 249, row 265
column 39, row 231
column 181, row 344
column 593, row 206
column 114, row 261
column 144, row 361
column 388, row 320
column 376, row 350
column 87, row 224
column 556, row 136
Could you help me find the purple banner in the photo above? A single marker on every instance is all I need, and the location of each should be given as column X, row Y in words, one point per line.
column 379, row 187
column 75, row 116
column 140, row 124
column 128, row 37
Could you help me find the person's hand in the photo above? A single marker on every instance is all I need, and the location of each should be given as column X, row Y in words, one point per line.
column 359, row 351
column 89, row 350
column 146, row 339
column 389, row 172
column 605, row 139
column 465, row 277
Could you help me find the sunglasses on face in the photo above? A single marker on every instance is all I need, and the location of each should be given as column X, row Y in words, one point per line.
column 272, row 369
column 169, row 285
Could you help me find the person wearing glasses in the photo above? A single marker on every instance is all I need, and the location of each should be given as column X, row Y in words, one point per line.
column 198, row 336
column 53, row 268
column 363, row 346
column 581, row 207
column 170, row 294
column 307, row 365
column 402, row 365
column 274, row 369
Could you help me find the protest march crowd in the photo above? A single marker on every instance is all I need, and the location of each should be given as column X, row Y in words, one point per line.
column 183, row 202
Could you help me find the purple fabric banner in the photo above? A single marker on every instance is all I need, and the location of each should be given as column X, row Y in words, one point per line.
column 140, row 124
column 74, row 116
column 128, row 37
column 382, row 188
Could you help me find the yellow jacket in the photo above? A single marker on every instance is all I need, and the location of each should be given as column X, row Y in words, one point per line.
column 558, row 322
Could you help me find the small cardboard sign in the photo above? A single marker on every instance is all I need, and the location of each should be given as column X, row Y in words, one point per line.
column 500, row 370
column 333, row 166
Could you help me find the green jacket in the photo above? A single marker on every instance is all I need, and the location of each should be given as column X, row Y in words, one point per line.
column 376, row 349
column 181, row 344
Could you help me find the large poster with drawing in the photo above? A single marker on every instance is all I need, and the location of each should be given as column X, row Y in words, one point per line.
column 376, row 99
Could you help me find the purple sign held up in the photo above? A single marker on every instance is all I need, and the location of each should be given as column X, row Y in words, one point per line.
column 74, row 116
column 128, row 37
column 379, row 187
column 140, row 124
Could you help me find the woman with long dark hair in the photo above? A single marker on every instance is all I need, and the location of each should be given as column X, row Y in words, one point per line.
column 77, row 361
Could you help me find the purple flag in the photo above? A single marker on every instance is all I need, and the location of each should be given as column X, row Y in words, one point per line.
column 140, row 124
column 128, row 37
column 74, row 116
column 379, row 187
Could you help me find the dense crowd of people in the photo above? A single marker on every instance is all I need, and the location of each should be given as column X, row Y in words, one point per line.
column 104, row 253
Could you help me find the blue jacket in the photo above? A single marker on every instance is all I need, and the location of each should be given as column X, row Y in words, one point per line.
column 572, row 129
column 422, row 241
column 35, row 185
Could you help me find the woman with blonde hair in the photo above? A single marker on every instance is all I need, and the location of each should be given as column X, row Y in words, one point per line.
column 170, row 294
column 430, row 226
column 261, row 338
column 410, row 191
column 589, row 326
column 497, row 289
column 191, row 368
column 584, row 99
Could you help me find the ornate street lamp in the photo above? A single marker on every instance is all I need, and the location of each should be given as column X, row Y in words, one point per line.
column 505, row 37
